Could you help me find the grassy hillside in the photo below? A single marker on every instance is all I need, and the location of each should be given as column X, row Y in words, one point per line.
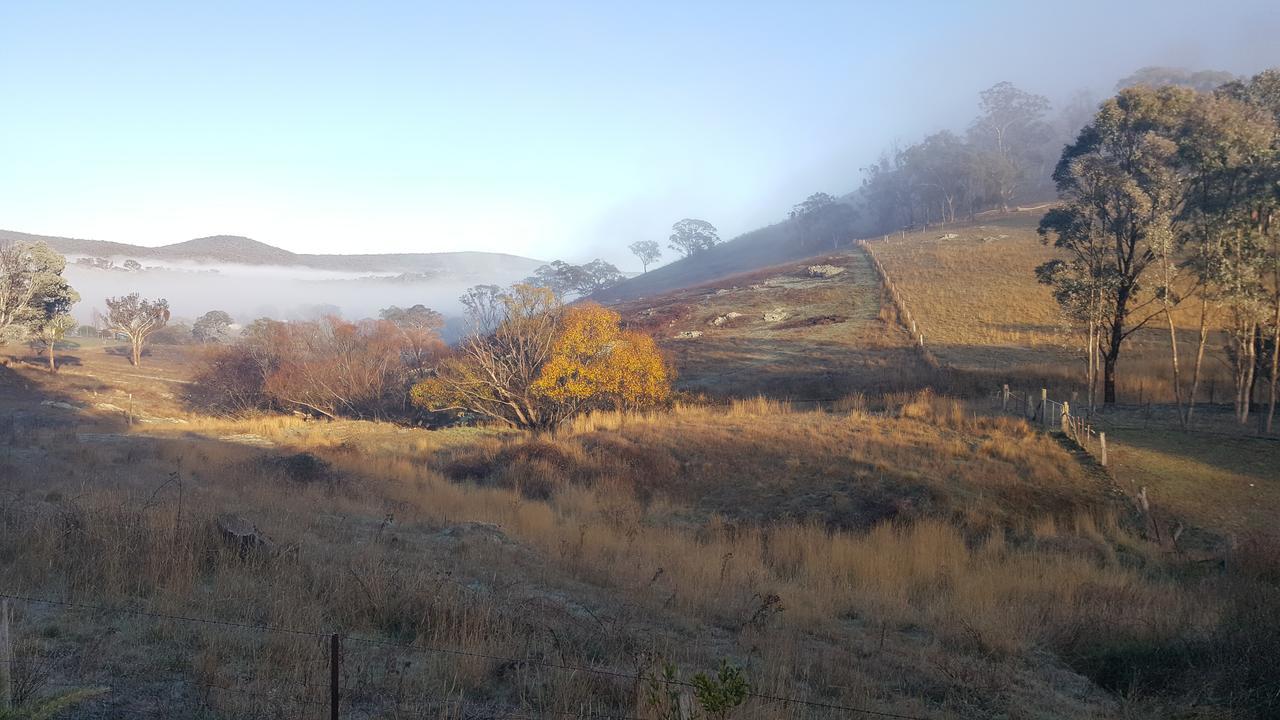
column 901, row 555
column 749, row 252
column 782, row 332
column 977, row 302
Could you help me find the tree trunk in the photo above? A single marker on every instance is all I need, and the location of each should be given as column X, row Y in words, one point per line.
column 1177, row 375
column 53, row 367
column 1201, row 341
column 1109, row 377
column 1275, row 368
column 136, row 351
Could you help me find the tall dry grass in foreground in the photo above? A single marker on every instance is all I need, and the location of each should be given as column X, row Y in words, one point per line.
column 851, row 557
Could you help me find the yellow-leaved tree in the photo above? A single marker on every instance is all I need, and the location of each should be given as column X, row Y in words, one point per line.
column 594, row 362
column 532, row 363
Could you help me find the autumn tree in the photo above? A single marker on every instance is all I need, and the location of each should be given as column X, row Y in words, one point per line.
column 419, row 329
column 493, row 370
column 136, row 318
column 691, row 236
column 647, row 251
column 532, row 363
column 595, row 363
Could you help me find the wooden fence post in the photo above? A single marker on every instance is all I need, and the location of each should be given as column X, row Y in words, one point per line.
column 335, row 651
column 1030, row 413
column 1044, row 406
column 1066, row 418
column 1004, row 398
column 1102, row 443
column 6, row 657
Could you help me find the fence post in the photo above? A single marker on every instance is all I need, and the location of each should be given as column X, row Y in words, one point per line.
column 1044, row 406
column 335, row 652
column 1004, row 398
column 1102, row 452
column 6, row 657
column 1066, row 418
column 1030, row 413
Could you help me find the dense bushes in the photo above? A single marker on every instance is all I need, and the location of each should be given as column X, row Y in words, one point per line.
column 328, row 367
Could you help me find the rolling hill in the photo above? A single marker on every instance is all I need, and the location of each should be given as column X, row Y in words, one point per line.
column 246, row 251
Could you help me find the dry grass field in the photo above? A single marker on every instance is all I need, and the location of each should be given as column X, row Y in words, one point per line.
column 781, row 332
column 901, row 555
column 978, row 304
column 868, row 545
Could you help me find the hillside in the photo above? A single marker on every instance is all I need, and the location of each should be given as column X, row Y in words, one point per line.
column 748, row 252
column 246, row 251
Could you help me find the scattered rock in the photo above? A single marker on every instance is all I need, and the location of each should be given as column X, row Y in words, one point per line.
column 243, row 535
column 948, row 236
column 248, row 439
column 58, row 404
column 102, row 438
column 476, row 534
column 777, row 315
column 824, row 271
column 688, row 334
column 722, row 319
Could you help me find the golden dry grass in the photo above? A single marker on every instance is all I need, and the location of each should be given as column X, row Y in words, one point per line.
column 980, row 308
column 896, row 552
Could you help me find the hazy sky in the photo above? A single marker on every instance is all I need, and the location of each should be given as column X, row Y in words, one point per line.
column 543, row 129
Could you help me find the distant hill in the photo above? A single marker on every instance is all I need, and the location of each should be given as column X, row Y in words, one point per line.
column 246, row 251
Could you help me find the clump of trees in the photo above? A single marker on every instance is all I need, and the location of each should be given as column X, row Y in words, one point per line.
column 137, row 318
column 565, row 279
column 34, row 297
column 531, row 362
column 823, row 219
column 1170, row 198
column 1006, row 154
column 329, row 367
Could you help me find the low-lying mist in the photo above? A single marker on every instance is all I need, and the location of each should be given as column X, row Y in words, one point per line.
column 247, row 292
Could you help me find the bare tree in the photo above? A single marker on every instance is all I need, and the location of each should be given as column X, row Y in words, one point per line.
column 136, row 318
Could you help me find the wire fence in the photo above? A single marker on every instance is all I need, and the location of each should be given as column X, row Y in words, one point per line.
column 341, row 682
column 1053, row 416
column 898, row 301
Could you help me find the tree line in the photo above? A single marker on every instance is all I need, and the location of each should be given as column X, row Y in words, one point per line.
column 1169, row 199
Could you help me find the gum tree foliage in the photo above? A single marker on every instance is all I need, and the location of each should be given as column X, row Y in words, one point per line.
column 530, row 362
column 647, row 251
column 212, row 326
column 566, row 279
column 49, row 331
column 1120, row 192
column 822, row 219
column 136, row 318
column 32, row 289
column 1010, row 134
column 691, row 236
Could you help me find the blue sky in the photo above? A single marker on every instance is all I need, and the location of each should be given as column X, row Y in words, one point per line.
column 554, row 130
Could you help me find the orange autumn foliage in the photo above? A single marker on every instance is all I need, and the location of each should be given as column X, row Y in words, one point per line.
column 595, row 362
